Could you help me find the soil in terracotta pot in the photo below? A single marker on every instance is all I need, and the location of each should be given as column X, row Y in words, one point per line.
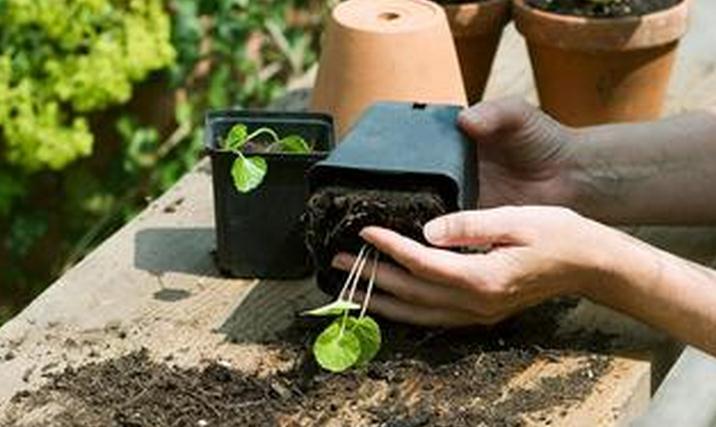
column 618, row 8
column 335, row 216
column 421, row 377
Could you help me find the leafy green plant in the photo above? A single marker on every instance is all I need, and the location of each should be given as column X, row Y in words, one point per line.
column 248, row 172
column 62, row 59
column 349, row 340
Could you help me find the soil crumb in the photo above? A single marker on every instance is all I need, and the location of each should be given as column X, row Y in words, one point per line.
column 421, row 377
column 335, row 215
column 592, row 9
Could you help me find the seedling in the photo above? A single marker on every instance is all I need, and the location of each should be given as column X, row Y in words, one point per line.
column 248, row 172
column 349, row 340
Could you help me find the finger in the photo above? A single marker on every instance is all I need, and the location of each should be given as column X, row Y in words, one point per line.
column 409, row 288
column 485, row 119
column 432, row 264
column 393, row 308
column 499, row 226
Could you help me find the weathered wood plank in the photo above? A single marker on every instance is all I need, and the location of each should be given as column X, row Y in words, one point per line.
column 153, row 284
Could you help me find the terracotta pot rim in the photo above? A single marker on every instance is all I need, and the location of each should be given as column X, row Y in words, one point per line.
column 352, row 16
column 601, row 34
column 478, row 17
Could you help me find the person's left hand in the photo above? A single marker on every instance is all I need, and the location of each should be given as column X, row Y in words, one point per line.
column 535, row 253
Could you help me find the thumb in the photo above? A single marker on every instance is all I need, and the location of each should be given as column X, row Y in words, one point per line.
column 483, row 227
column 488, row 118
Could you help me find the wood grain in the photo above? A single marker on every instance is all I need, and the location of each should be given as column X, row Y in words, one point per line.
column 153, row 284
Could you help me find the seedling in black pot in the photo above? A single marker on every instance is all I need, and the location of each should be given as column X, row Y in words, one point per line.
column 259, row 166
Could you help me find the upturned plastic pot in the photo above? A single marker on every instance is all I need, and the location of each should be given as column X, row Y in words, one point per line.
column 259, row 234
column 387, row 50
column 401, row 147
column 600, row 70
column 476, row 29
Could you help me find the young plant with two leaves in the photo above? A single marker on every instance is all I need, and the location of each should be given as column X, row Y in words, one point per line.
column 349, row 341
column 249, row 170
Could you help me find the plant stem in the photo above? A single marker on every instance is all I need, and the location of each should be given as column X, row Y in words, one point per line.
column 361, row 253
column 356, row 278
column 261, row 131
column 360, row 263
column 371, row 283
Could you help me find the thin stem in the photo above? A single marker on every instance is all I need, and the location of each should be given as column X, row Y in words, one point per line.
column 371, row 283
column 261, row 131
column 352, row 272
column 356, row 278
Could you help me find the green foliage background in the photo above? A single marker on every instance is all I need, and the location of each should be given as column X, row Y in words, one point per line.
column 101, row 106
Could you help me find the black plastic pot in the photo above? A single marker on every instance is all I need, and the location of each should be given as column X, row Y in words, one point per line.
column 259, row 234
column 402, row 146
column 394, row 147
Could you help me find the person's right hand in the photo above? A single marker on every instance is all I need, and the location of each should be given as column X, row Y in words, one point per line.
column 525, row 156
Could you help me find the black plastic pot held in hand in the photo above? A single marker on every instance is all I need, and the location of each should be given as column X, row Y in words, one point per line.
column 259, row 233
column 390, row 171
column 404, row 146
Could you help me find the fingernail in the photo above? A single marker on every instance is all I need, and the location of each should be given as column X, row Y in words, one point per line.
column 435, row 230
column 365, row 234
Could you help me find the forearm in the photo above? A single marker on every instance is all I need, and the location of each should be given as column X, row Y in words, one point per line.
column 662, row 290
column 653, row 173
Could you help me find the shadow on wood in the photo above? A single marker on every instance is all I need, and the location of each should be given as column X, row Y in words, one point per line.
column 179, row 250
column 268, row 308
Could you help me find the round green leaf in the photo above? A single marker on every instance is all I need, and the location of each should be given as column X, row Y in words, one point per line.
column 368, row 333
column 336, row 351
column 248, row 173
column 335, row 308
column 237, row 137
column 294, row 144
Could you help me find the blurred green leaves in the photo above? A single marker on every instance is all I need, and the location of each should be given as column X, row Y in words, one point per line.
column 73, row 165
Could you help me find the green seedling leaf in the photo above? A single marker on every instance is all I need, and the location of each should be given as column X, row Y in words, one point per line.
column 248, row 173
column 368, row 333
column 294, row 144
column 336, row 308
column 337, row 348
column 238, row 136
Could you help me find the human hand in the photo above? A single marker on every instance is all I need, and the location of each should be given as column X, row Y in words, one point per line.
column 525, row 156
column 536, row 253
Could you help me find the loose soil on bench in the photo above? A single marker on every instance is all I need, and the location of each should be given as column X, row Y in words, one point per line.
column 421, row 377
column 335, row 215
column 603, row 10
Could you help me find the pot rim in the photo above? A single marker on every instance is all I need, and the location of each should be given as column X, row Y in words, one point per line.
column 580, row 33
column 478, row 17
column 365, row 16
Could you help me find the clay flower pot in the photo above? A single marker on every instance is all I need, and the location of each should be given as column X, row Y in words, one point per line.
column 476, row 29
column 599, row 70
column 387, row 50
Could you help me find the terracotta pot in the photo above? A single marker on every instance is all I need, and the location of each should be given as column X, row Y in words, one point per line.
column 385, row 50
column 598, row 70
column 476, row 29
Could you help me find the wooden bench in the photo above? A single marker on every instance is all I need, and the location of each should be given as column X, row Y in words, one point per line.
column 153, row 284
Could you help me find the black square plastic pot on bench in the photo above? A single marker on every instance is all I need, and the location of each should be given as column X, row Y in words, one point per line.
column 259, row 233
column 400, row 166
